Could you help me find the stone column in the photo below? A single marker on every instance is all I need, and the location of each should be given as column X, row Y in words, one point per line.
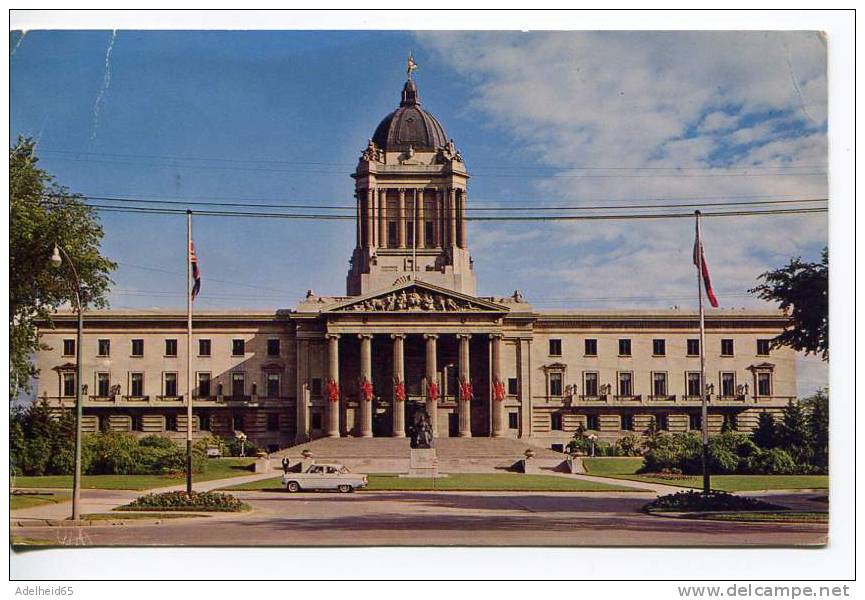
column 525, row 392
column 359, row 219
column 436, row 216
column 399, row 376
column 370, row 229
column 302, row 409
column 464, row 234
column 401, row 218
column 497, row 406
column 443, row 218
column 452, row 215
column 365, row 374
column 382, row 218
column 431, row 377
column 465, row 405
column 333, row 408
column 420, row 229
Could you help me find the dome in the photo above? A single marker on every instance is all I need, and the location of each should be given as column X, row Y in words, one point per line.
column 409, row 125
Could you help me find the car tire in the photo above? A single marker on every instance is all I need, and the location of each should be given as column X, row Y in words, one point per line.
column 292, row 486
column 344, row 488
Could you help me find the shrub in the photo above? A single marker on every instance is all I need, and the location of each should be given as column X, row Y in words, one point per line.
column 774, row 461
column 157, row 441
column 232, row 447
column 196, row 501
column 671, row 451
column 114, row 453
column 629, row 445
column 694, row 501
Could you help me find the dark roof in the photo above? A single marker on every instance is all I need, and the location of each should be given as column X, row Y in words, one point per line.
column 410, row 125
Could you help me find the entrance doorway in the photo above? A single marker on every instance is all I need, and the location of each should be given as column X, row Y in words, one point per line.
column 453, row 424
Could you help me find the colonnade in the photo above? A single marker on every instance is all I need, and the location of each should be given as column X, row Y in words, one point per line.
column 431, row 393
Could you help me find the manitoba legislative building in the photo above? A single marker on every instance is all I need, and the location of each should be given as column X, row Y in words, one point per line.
column 411, row 333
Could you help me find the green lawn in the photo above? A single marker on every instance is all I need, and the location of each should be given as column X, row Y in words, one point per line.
column 17, row 501
column 625, row 468
column 465, row 482
column 216, row 468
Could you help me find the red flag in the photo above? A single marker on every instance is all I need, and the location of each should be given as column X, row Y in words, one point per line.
column 700, row 262
column 196, row 274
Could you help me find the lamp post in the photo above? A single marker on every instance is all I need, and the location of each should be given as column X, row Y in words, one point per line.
column 56, row 261
column 593, row 438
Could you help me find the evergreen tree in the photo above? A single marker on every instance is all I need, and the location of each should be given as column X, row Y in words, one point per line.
column 766, row 433
column 794, row 433
column 818, row 423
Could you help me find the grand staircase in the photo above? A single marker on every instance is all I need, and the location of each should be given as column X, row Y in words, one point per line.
column 455, row 455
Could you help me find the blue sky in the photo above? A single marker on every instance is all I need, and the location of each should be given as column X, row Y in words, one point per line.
column 280, row 117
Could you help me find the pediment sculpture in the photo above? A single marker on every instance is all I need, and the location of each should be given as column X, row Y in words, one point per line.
column 413, row 300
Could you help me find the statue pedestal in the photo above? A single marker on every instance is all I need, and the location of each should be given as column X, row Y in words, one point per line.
column 423, row 463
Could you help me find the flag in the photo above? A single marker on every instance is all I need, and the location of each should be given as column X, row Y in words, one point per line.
column 196, row 274
column 700, row 263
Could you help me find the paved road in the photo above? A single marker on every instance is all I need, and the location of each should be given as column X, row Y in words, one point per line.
column 439, row 518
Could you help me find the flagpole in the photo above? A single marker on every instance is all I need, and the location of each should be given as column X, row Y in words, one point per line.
column 189, row 352
column 704, row 411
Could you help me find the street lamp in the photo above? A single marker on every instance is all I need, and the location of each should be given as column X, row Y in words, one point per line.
column 56, row 262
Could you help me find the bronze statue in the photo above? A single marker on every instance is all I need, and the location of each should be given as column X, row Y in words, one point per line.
column 421, row 431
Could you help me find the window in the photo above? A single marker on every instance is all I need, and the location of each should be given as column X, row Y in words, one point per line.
column 513, row 388
column 659, row 384
column 137, row 347
column 392, row 240
column 237, row 422
column 170, row 384
column 273, row 421
column 590, row 384
column 136, row 384
column 513, row 420
column 694, row 347
column 203, row 347
column 204, row 385
column 171, row 347
column 273, row 347
column 662, row 422
column 204, row 421
column 763, row 347
column 68, row 347
column 593, row 422
column 555, row 384
column 170, row 422
column 238, row 347
column 104, row 347
column 238, row 384
column 695, row 421
column 316, row 420
column 659, row 347
column 628, row 422
column 137, row 423
column 557, row 447
column 624, row 347
column 591, row 347
column 693, row 380
column 625, row 387
column 764, row 384
column 409, row 231
column 556, row 422
column 103, row 385
column 68, row 384
column 726, row 347
column 428, row 234
column 273, row 385
column 315, row 386
column 555, row 347
column 728, row 384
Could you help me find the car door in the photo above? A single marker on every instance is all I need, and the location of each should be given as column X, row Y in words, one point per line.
column 332, row 477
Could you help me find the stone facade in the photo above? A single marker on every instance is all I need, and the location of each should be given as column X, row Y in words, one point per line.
column 412, row 334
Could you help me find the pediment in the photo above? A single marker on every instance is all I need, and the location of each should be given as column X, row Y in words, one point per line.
column 763, row 366
column 417, row 297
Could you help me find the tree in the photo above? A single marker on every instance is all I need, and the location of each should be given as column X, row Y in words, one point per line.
column 818, row 424
column 802, row 289
column 794, row 433
column 42, row 214
column 766, row 432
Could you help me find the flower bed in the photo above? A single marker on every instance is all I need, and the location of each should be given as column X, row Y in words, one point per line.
column 694, row 501
column 196, row 501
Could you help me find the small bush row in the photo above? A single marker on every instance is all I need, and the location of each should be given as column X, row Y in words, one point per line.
column 695, row 501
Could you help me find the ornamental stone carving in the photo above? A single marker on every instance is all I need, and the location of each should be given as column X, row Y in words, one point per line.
column 413, row 300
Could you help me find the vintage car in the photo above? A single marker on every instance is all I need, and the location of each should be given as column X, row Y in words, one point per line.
column 325, row 477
